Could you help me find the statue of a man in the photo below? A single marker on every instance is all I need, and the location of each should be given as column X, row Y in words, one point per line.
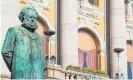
column 23, row 48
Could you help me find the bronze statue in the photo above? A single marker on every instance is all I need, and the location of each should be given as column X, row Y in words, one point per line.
column 23, row 48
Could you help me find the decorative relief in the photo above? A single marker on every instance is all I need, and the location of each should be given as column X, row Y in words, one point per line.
column 88, row 14
column 43, row 4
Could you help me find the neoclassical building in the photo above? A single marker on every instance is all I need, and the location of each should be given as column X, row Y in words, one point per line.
column 88, row 34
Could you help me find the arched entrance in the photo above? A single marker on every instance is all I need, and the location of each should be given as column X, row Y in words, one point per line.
column 88, row 49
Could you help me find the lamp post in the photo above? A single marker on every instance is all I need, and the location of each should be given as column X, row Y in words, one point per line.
column 49, row 33
column 118, row 51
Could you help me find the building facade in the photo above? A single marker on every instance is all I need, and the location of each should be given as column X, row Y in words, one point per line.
column 87, row 32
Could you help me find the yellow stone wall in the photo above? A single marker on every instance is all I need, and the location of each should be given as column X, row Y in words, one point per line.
column 102, row 28
column 101, row 3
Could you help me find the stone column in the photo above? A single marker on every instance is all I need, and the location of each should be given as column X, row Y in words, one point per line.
column 69, row 33
column 118, row 37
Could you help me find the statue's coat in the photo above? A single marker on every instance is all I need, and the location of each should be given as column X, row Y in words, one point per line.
column 23, row 53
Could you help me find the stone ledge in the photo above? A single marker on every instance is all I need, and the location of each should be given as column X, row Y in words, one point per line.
column 60, row 71
column 4, row 76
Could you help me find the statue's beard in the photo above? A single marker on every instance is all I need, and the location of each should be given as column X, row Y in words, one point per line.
column 29, row 25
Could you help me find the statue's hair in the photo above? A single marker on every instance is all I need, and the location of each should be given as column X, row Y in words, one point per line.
column 24, row 10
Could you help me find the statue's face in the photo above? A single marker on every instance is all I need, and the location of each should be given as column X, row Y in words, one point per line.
column 30, row 20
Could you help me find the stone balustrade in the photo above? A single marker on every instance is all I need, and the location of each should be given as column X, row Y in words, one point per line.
column 61, row 74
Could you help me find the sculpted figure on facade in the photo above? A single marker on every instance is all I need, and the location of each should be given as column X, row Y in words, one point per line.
column 23, row 47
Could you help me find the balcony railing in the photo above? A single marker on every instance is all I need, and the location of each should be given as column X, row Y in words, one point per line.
column 62, row 74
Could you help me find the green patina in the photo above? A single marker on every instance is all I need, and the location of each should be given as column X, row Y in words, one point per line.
column 23, row 48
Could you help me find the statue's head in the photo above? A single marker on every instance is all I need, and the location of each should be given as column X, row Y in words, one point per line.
column 28, row 16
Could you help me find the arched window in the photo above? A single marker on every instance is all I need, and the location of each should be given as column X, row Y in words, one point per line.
column 94, row 2
column 88, row 46
column 129, row 59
